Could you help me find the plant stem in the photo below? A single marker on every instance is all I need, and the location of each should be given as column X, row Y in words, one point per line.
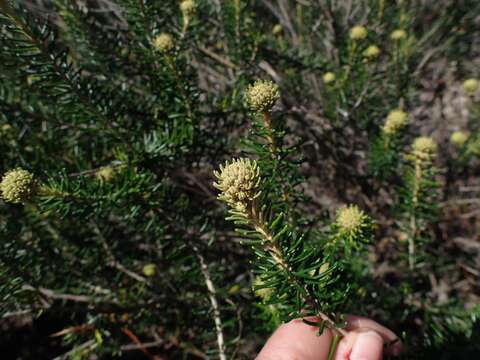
column 274, row 250
column 212, row 294
column 351, row 58
column 267, row 122
column 333, row 346
column 381, row 9
column 178, row 83
column 413, row 218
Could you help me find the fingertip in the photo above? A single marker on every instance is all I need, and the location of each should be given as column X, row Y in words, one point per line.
column 296, row 340
column 345, row 347
column 394, row 345
column 368, row 346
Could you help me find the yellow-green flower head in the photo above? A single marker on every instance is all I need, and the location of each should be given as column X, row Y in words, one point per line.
column 424, row 148
column 163, row 43
column 351, row 220
column 6, row 128
column 358, row 32
column 239, row 182
column 262, row 95
column 277, row 29
column 459, row 138
column 470, row 86
column 328, row 77
column 188, row 7
column 396, row 120
column 398, row 35
column 17, row 186
column 149, row 270
column 105, row 174
column 371, row 52
column 262, row 292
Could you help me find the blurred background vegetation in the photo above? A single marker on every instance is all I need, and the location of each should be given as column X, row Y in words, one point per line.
column 123, row 108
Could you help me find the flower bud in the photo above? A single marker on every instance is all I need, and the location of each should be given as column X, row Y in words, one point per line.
column 262, row 95
column 351, row 220
column 149, row 270
column 371, row 52
column 17, row 186
column 188, row 7
column 5, row 128
column 239, row 182
column 277, row 29
column 396, row 120
column 459, row 138
column 398, row 35
column 470, row 86
column 105, row 174
column 424, row 148
column 328, row 77
column 264, row 293
column 358, row 33
column 163, row 43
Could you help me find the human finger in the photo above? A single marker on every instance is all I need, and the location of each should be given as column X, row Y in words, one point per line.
column 297, row 340
column 393, row 345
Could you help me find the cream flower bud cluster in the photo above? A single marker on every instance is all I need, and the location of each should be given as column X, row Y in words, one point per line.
column 396, row 120
column 424, row 148
column 459, row 138
column 105, row 174
column 163, row 43
column 328, row 77
column 398, row 35
column 277, row 29
column 351, row 220
column 358, row 32
column 149, row 270
column 264, row 292
column 17, row 186
column 262, row 95
column 188, row 7
column 371, row 52
column 239, row 182
column 470, row 86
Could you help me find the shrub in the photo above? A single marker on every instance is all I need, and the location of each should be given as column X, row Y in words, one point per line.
column 181, row 177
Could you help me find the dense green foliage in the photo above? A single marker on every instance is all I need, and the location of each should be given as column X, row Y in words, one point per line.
column 123, row 109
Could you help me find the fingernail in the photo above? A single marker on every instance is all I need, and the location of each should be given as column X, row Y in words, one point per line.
column 368, row 346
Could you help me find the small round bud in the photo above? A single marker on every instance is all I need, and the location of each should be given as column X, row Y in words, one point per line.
column 105, row 174
column 262, row 95
column 351, row 220
column 163, row 43
column 328, row 77
column 470, row 86
column 396, row 120
column 260, row 290
column 371, row 52
column 239, row 182
column 188, row 7
column 149, row 270
column 424, row 148
column 358, row 33
column 5, row 128
column 459, row 138
column 17, row 186
column 398, row 35
column 277, row 29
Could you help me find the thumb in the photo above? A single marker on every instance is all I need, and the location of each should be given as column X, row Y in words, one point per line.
column 296, row 340
column 360, row 345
